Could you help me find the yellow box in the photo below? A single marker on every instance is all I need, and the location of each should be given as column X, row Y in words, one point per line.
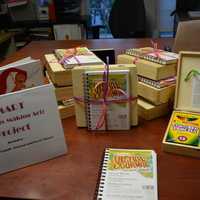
column 149, row 69
column 78, row 90
column 56, row 72
column 149, row 111
column 65, row 92
column 62, row 92
column 182, row 135
column 155, row 95
column 66, row 109
column 186, row 116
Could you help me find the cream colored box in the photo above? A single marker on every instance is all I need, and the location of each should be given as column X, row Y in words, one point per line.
column 78, row 90
column 155, row 95
column 62, row 92
column 187, row 99
column 66, row 108
column 66, row 111
column 58, row 75
column 149, row 69
column 65, row 92
column 149, row 111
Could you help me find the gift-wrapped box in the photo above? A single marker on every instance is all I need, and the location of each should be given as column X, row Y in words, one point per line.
column 156, row 96
column 59, row 65
column 70, row 58
column 182, row 134
column 147, row 68
column 78, row 90
column 154, row 54
column 57, row 73
column 148, row 111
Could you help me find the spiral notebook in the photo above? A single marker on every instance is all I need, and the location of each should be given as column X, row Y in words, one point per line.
column 147, row 53
column 158, row 84
column 77, row 56
column 117, row 116
column 128, row 174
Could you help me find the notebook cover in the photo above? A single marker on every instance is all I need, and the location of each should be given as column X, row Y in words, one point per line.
column 117, row 116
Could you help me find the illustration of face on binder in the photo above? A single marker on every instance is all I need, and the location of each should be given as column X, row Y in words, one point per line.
column 20, row 75
column 107, row 110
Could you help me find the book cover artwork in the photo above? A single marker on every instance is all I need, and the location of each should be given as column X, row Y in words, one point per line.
column 20, row 75
column 129, row 174
column 184, row 128
column 117, row 115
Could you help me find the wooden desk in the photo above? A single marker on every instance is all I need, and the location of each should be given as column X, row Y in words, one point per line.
column 74, row 176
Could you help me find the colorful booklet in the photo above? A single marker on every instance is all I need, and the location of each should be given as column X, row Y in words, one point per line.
column 158, row 84
column 184, row 128
column 128, row 174
column 157, row 56
column 76, row 56
column 111, row 115
column 19, row 75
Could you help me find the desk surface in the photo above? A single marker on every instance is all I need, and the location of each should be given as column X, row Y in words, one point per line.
column 74, row 176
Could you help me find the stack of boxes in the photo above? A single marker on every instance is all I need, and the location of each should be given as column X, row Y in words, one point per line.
column 156, row 75
column 59, row 66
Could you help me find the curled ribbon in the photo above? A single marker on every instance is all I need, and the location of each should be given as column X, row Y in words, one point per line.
column 73, row 53
column 191, row 74
column 155, row 51
column 104, row 102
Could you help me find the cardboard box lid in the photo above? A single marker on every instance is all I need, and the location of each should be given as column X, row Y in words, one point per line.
column 187, row 98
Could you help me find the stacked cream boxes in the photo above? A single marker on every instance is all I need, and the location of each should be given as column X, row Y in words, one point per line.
column 156, row 71
column 59, row 66
column 79, row 90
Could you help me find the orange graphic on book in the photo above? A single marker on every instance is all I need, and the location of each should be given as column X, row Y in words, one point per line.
column 113, row 89
column 128, row 162
column 18, row 76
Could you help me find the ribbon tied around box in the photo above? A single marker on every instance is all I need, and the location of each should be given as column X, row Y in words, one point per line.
column 103, row 100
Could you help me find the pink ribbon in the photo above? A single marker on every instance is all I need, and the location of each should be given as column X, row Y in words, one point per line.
column 155, row 51
column 73, row 54
column 68, row 55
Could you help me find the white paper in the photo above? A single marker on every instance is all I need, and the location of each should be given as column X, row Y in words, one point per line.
column 30, row 128
column 196, row 91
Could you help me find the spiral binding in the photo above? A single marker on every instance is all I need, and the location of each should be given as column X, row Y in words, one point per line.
column 87, row 101
column 134, row 52
column 103, row 175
